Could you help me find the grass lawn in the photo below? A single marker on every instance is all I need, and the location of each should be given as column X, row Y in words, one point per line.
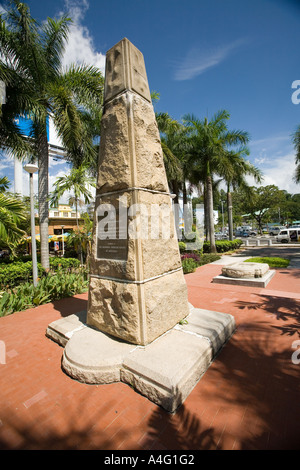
column 274, row 262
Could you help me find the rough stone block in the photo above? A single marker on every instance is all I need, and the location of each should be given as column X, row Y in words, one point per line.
column 130, row 148
column 153, row 240
column 137, row 313
column 245, row 270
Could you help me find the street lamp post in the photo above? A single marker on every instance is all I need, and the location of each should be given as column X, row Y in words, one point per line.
column 2, row 92
column 63, row 242
column 222, row 202
column 31, row 169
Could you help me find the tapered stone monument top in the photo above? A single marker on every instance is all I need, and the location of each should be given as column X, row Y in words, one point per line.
column 125, row 70
column 130, row 150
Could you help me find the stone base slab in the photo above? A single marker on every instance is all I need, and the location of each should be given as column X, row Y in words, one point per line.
column 251, row 282
column 61, row 330
column 164, row 371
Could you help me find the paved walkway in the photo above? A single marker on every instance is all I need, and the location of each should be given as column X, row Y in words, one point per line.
column 248, row 399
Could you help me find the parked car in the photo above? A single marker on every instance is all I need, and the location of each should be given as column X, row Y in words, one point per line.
column 289, row 235
column 245, row 233
column 238, row 233
column 275, row 230
column 221, row 235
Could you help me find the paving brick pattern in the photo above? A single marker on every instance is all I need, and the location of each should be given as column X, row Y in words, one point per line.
column 248, row 399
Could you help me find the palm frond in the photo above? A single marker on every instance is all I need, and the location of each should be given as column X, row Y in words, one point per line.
column 11, row 213
column 172, row 164
column 54, row 38
column 86, row 84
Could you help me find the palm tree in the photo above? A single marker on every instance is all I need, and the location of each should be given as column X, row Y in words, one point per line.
column 33, row 56
column 170, row 130
column 83, row 237
column 296, row 142
column 77, row 182
column 210, row 140
column 233, row 167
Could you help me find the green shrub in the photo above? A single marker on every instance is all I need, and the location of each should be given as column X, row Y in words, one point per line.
column 182, row 246
column 223, row 246
column 189, row 265
column 49, row 288
column 16, row 273
column 64, row 263
column 208, row 258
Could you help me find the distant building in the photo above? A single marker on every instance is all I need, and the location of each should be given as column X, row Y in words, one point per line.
column 61, row 218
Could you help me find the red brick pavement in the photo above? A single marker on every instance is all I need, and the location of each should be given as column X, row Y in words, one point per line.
column 248, row 399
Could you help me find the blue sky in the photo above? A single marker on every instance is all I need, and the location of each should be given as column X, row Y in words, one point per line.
column 203, row 56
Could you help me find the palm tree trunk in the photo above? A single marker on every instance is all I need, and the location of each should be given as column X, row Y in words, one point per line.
column 206, row 224
column 229, row 212
column 176, row 208
column 211, row 223
column 43, row 161
column 77, row 222
column 184, row 192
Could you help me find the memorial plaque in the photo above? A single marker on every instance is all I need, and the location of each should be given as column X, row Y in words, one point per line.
column 112, row 240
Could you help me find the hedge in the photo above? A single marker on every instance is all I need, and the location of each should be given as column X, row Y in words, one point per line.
column 19, row 272
column 14, row 274
column 223, row 246
column 64, row 263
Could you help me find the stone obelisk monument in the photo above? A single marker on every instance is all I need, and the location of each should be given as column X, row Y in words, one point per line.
column 137, row 292
column 137, row 288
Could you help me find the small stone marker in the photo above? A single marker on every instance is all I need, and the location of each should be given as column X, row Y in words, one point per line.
column 137, row 288
column 246, row 274
column 245, row 270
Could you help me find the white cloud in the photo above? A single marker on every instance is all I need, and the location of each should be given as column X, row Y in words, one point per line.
column 271, row 142
column 281, row 172
column 5, row 163
column 275, row 156
column 80, row 48
column 199, row 61
column 53, row 177
column 278, row 171
column 54, row 162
